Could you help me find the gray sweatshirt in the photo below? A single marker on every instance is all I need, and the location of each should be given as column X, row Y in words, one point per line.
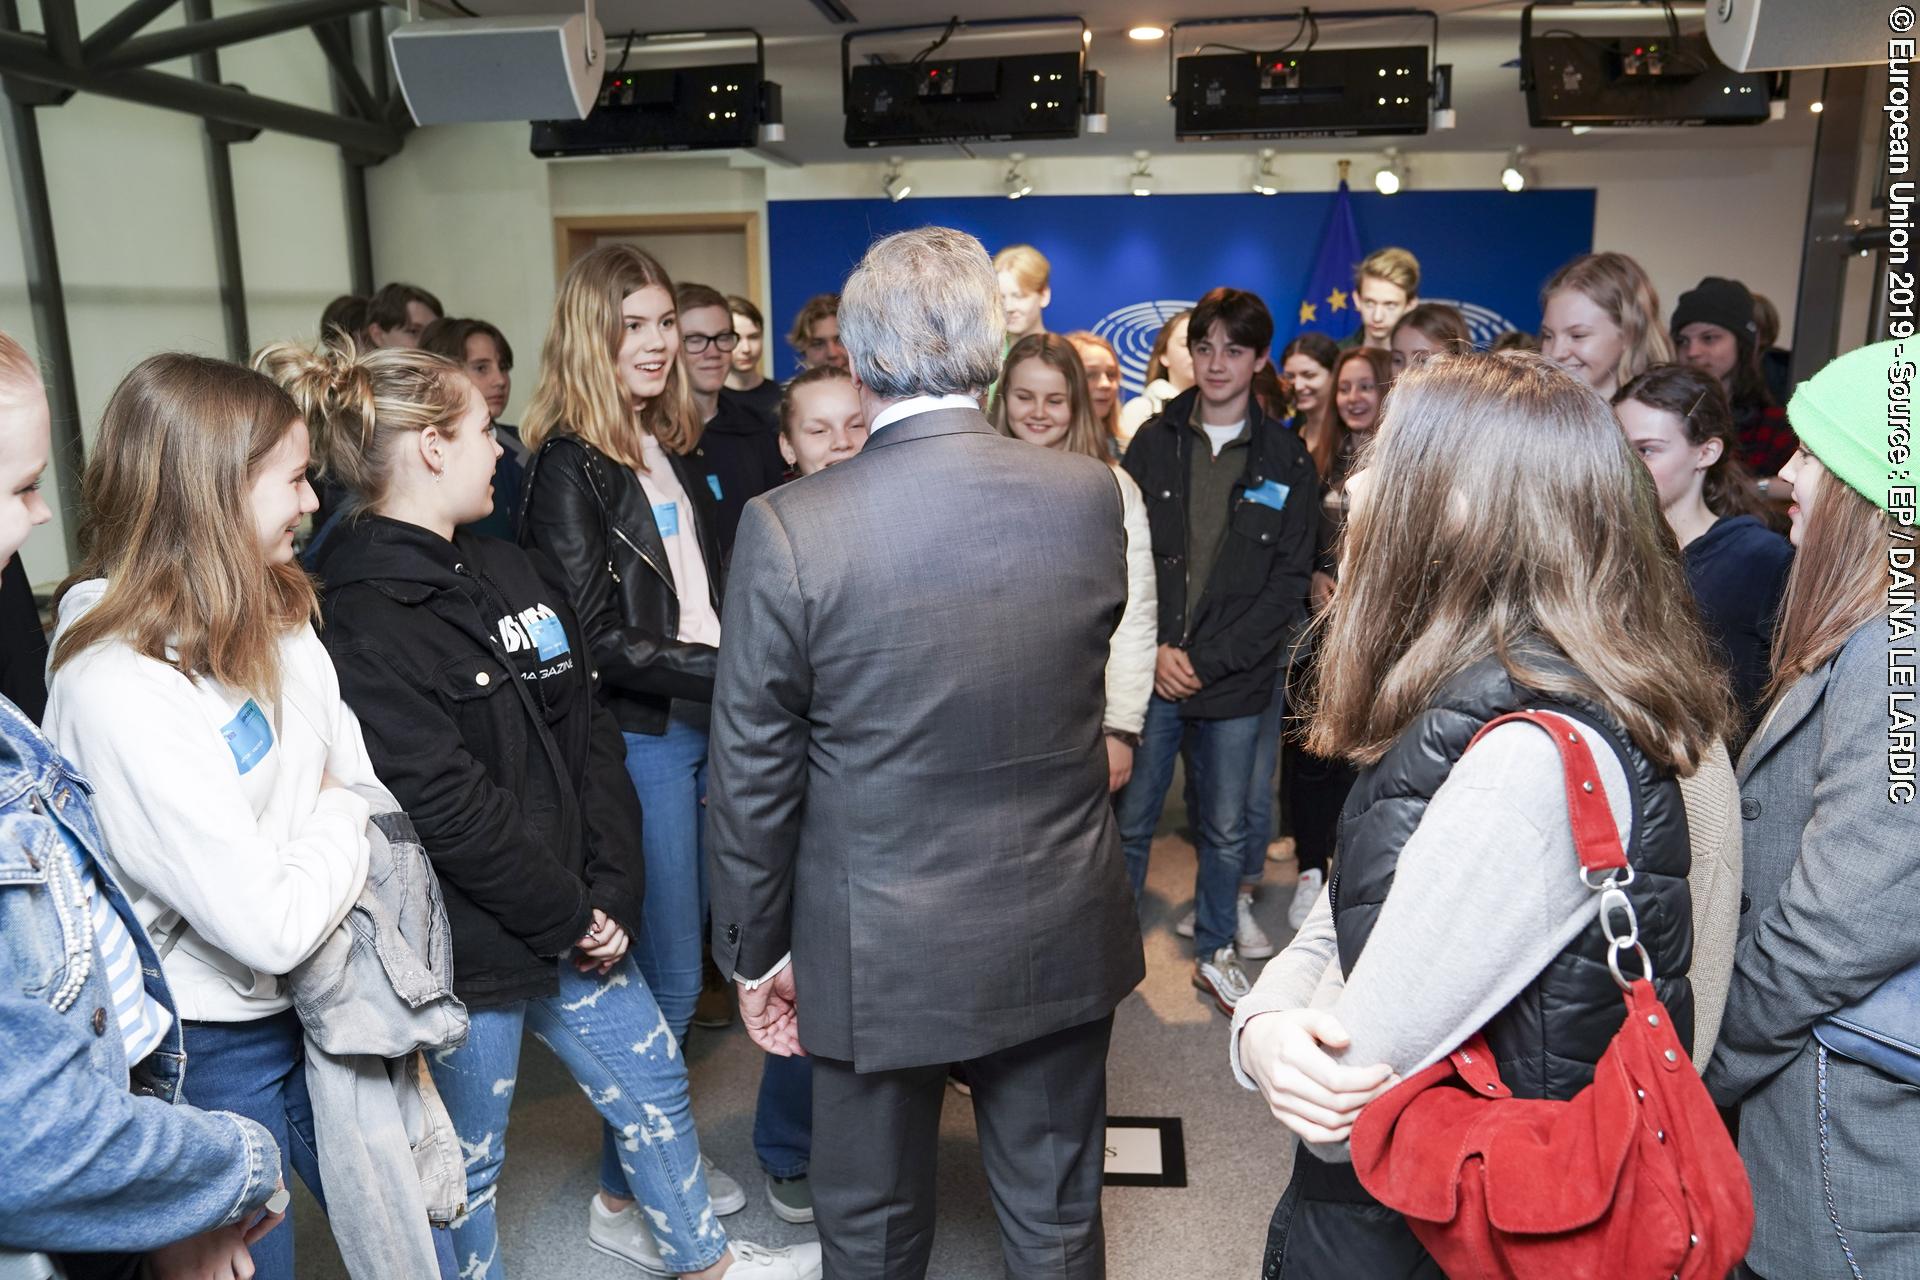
column 1486, row 893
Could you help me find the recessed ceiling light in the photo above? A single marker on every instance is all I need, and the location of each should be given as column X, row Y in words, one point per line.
column 1146, row 33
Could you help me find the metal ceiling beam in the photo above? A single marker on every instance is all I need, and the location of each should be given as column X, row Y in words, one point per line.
column 27, row 57
column 63, row 28
column 122, row 25
column 45, row 296
column 217, row 140
column 218, row 33
column 336, row 42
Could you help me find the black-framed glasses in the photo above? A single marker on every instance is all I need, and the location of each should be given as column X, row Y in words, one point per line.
column 695, row 343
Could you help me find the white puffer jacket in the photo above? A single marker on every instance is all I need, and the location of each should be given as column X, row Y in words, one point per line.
column 1130, row 654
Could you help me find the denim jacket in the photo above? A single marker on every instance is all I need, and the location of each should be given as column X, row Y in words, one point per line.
column 93, row 1159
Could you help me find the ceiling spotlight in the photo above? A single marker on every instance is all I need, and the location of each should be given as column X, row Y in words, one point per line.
column 1391, row 175
column 1816, row 107
column 1582, row 130
column 1265, row 181
column 1142, row 177
column 1146, row 33
column 1017, row 182
column 894, row 186
column 1514, row 176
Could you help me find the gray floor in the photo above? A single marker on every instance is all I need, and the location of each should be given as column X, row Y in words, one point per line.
column 1168, row 1059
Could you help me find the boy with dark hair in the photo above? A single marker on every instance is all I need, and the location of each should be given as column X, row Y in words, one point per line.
column 399, row 314
column 1232, row 501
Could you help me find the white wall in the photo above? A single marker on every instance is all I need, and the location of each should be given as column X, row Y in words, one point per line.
column 134, row 229
column 467, row 212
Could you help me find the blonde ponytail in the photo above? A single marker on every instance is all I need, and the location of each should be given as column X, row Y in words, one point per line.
column 357, row 402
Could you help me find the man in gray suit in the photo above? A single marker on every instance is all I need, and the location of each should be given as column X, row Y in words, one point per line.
column 914, row 862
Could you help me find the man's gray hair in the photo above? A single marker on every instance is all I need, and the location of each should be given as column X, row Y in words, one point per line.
column 921, row 316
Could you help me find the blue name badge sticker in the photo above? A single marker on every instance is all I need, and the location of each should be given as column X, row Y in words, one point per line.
column 1271, row 494
column 667, row 516
column 549, row 637
column 713, row 483
column 248, row 736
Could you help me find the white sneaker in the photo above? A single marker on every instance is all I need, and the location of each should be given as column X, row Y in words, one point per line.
column 1220, row 976
column 1305, row 894
column 1249, row 939
column 795, row 1262
column 726, row 1195
column 1184, row 925
column 624, row 1235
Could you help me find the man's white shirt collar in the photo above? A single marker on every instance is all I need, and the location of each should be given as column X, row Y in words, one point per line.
column 919, row 404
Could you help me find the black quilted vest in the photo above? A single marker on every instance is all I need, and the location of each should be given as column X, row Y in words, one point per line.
column 1550, row 1038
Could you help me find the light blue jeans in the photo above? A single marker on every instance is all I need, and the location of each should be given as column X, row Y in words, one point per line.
column 670, row 774
column 611, row 1037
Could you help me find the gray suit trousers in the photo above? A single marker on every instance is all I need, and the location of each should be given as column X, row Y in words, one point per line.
column 1040, row 1109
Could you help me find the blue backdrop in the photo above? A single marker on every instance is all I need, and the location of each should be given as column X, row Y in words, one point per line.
column 1123, row 263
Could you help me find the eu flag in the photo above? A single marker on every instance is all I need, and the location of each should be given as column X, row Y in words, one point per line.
column 1327, row 305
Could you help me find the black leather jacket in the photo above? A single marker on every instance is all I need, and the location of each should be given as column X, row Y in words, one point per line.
column 590, row 516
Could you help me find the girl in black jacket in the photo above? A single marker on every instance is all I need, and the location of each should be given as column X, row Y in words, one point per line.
column 475, row 692
column 617, row 503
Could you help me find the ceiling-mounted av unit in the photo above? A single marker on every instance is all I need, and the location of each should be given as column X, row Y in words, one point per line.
column 1299, row 90
column 932, row 99
column 639, row 109
column 1650, row 79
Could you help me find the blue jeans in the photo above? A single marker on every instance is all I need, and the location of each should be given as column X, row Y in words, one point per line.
column 670, row 774
column 611, row 1037
column 783, row 1118
column 1264, row 786
column 1220, row 756
column 258, row 1069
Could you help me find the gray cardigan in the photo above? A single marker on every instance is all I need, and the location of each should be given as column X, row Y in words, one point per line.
column 1831, row 910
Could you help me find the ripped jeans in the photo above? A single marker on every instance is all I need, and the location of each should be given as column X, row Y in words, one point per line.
column 611, row 1037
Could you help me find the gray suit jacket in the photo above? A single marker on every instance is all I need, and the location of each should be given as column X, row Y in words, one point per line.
column 907, row 786
column 1831, row 910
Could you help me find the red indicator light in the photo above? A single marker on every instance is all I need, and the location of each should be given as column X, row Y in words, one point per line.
column 1638, row 52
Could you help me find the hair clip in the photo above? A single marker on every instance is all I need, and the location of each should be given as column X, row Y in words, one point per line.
column 1696, row 405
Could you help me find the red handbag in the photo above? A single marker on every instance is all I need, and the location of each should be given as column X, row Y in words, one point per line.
column 1635, row 1176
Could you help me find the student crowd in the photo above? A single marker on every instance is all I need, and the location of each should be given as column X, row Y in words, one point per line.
column 340, row 628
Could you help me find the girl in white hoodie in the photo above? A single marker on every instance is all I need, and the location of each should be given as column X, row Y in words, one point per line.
column 190, row 688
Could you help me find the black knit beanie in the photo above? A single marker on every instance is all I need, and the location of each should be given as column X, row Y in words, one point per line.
column 1726, row 303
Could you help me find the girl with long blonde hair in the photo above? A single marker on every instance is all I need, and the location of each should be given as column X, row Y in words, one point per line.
column 1832, row 827
column 1505, row 552
column 1601, row 321
column 190, row 687
column 613, row 500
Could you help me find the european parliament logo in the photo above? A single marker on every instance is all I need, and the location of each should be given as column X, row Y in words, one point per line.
column 1132, row 331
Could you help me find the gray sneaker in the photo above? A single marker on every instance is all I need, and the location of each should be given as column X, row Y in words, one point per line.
column 791, row 1198
column 1220, row 976
column 1184, row 925
column 727, row 1195
column 1249, row 939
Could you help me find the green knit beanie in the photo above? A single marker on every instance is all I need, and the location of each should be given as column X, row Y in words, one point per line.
column 1841, row 415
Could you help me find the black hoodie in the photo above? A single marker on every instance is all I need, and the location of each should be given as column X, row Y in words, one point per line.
column 520, row 795
column 740, row 460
